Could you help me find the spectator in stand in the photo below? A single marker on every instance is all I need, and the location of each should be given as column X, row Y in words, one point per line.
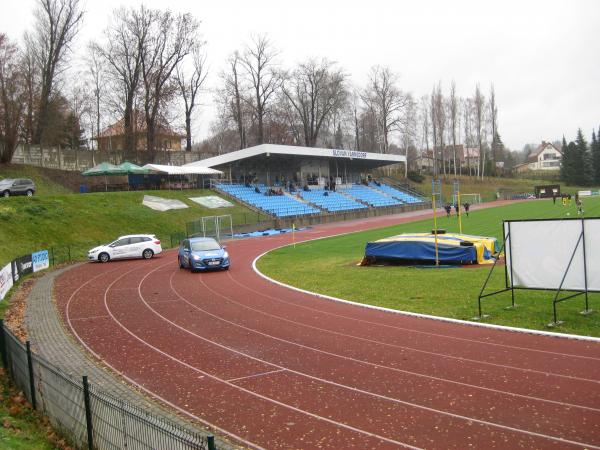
column 467, row 206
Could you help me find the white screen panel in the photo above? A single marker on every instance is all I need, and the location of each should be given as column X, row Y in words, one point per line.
column 539, row 252
column 592, row 253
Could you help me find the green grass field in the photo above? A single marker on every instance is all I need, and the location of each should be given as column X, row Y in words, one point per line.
column 329, row 267
column 28, row 224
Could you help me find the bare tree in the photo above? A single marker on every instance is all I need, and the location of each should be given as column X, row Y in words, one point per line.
column 493, row 115
column 31, row 82
column 259, row 63
column 189, row 87
column 468, row 132
column 96, row 77
column 125, row 42
column 316, row 90
column 232, row 96
column 56, row 25
column 453, row 116
column 408, row 132
column 479, row 119
column 439, row 113
column 434, row 129
column 386, row 100
column 12, row 98
column 171, row 38
column 425, row 124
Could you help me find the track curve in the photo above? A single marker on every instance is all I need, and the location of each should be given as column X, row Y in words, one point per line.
column 276, row 368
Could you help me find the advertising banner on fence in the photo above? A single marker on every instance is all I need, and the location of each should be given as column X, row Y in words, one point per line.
column 21, row 267
column 6, row 280
column 40, row 260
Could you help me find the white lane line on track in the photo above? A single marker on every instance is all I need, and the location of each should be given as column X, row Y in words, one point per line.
column 382, row 397
column 395, row 327
column 90, row 318
column 359, row 361
column 140, row 386
column 408, row 313
column 221, row 380
column 443, row 355
column 256, row 375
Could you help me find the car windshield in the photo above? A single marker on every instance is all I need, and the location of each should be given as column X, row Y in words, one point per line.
column 203, row 246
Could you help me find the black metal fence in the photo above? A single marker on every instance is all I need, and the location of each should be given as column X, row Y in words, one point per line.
column 87, row 416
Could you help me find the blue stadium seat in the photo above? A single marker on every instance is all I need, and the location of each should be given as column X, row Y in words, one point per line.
column 276, row 205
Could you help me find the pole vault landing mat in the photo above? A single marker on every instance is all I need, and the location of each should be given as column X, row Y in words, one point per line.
column 419, row 248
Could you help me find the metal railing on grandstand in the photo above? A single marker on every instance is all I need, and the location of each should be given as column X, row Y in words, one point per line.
column 87, row 416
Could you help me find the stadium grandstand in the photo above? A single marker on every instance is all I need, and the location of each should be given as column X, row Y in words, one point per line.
column 288, row 181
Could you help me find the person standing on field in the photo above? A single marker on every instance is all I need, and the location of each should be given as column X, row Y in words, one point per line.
column 467, row 206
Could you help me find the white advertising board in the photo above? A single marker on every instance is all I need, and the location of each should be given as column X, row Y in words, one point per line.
column 6, row 280
column 538, row 254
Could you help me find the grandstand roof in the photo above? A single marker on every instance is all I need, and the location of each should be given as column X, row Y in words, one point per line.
column 267, row 149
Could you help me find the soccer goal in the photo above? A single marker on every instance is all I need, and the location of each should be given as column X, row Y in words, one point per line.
column 219, row 227
column 471, row 199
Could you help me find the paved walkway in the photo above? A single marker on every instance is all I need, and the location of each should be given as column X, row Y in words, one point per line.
column 50, row 340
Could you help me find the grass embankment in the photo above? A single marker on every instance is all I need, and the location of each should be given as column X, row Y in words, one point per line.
column 329, row 267
column 43, row 183
column 81, row 220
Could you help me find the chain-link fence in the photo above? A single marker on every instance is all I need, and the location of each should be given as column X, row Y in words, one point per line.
column 87, row 416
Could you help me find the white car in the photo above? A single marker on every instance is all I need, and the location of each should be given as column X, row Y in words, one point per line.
column 130, row 246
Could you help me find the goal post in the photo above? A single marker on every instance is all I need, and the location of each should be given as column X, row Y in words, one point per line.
column 471, row 199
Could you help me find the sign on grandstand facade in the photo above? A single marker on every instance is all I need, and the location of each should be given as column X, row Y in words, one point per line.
column 349, row 154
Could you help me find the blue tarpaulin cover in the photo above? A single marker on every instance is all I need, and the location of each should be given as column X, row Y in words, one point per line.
column 421, row 247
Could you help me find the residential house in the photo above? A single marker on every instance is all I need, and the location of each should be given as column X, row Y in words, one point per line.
column 545, row 157
column 113, row 136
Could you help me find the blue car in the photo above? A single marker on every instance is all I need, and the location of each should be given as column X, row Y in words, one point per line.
column 202, row 253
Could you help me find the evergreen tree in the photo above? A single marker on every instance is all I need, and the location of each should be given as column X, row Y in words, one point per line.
column 582, row 164
column 566, row 168
column 596, row 156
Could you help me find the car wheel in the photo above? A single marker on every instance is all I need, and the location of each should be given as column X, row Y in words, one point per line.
column 29, row 192
column 104, row 257
column 180, row 263
column 6, row 194
column 147, row 254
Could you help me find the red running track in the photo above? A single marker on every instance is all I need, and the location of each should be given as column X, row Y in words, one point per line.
column 275, row 368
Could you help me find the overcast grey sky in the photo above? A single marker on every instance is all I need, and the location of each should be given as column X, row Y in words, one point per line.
column 542, row 56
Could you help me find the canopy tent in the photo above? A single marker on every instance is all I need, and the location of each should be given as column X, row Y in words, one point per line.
column 420, row 247
column 133, row 168
column 181, row 170
column 104, row 169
